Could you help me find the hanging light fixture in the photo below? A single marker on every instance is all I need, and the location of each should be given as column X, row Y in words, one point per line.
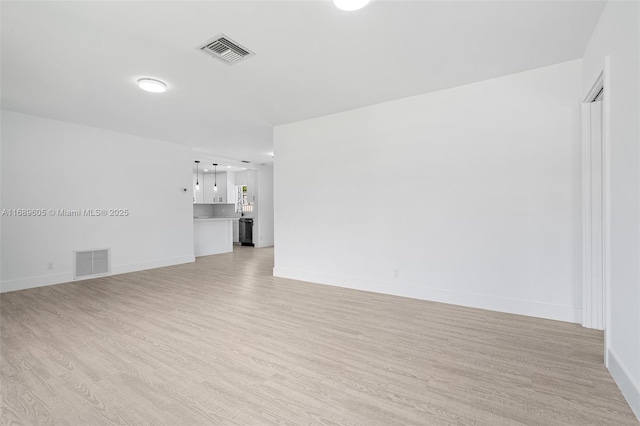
column 197, row 175
column 215, row 184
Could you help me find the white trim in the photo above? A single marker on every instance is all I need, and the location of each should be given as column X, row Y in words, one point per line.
column 151, row 264
column 416, row 291
column 606, row 211
column 629, row 387
column 595, row 88
column 36, row 281
column 52, row 279
column 587, row 303
column 594, row 303
column 264, row 244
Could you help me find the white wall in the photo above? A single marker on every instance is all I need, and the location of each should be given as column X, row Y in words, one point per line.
column 56, row 165
column 264, row 196
column 617, row 36
column 472, row 193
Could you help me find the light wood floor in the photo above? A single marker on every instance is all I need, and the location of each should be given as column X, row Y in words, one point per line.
column 222, row 342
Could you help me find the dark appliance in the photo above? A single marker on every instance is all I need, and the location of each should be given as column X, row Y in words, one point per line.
column 246, row 231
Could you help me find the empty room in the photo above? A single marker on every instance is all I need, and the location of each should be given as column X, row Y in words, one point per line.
column 320, row 212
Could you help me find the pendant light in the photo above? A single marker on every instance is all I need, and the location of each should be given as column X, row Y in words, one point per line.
column 197, row 175
column 215, row 184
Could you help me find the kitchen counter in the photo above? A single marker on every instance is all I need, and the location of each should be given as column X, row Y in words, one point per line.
column 216, row 218
column 213, row 235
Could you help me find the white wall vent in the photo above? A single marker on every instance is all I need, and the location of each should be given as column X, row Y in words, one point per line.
column 226, row 50
column 91, row 263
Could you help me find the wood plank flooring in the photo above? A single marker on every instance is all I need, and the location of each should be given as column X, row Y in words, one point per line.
column 222, row 342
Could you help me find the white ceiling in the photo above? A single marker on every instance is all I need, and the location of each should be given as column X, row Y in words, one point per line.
column 222, row 168
column 78, row 61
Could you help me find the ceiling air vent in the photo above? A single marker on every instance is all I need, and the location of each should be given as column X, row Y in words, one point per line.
column 226, row 50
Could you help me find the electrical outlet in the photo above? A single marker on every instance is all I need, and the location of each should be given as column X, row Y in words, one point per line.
column 50, row 266
column 396, row 273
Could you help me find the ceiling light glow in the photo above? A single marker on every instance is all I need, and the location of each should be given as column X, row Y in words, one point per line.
column 152, row 85
column 350, row 5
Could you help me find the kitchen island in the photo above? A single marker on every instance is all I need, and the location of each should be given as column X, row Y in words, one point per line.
column 212, row 235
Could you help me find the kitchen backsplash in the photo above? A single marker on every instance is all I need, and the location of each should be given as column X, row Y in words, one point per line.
column 202, row 210
column 226, row 210
column 214, row 210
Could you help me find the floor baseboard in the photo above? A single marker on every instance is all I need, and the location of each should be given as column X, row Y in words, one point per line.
column 472, row 300
column 630, row 389
column 63, row 277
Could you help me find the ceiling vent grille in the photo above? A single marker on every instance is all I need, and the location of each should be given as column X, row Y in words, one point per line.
column 91, row 263
column 226, row 50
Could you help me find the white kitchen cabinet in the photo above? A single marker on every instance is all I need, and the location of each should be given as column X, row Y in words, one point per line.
column 210, row 195
column 198, row 194
column 219, row 196
column 231, row 188
column 206, row 193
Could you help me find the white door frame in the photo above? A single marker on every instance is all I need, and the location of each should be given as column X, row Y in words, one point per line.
column 593, row 303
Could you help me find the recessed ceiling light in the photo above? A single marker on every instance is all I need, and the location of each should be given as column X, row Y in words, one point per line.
column 350, row 5
column 206, row 170
column 152, row 85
